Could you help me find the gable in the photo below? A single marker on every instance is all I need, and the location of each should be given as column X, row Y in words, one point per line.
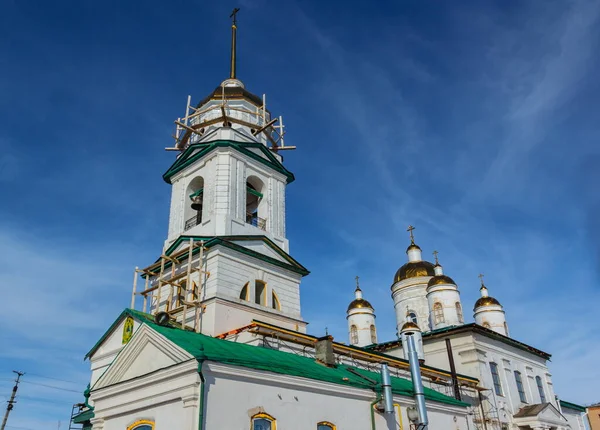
column 254, row 150
column 114, row 338
column 147, row 352
column 259, row 247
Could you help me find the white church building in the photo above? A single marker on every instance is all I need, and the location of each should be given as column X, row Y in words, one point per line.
column 214, row 336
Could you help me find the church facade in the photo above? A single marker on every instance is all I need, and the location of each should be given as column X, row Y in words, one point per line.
column 214, row 336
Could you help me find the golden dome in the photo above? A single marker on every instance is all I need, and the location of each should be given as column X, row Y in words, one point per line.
column 413, row 246
column 413, row 269
column 408, row 325
column 359, row 303
column 486, row 301
column 440, row 279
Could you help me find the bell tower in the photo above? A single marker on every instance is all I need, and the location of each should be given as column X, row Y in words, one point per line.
column 226, row 258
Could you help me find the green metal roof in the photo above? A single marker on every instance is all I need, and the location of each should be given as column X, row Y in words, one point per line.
column 83, row 416
column 573, row 406
column 203, row 347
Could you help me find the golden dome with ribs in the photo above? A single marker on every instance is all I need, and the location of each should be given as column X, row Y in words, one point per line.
column 359, row 303
column 409, row 325
column 413, row 269
column 486, row 301
column 440, row 279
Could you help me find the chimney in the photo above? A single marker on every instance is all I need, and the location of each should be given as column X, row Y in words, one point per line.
column 324, row 350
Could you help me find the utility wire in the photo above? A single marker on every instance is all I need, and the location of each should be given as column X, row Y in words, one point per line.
column 54, row 379
column 53, row 387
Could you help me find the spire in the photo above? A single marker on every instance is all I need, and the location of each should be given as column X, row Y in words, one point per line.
column 437, row 268
column 357, row 291
column 483, row 290
column 413, row 251
column 233, row 42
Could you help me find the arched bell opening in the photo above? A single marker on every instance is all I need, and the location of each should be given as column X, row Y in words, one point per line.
column 255, row 204
column 195, row 203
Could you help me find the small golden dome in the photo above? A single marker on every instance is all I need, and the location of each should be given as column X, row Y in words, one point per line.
column 359, row 303
column 413, row 269
column 409, row 325
column 413, row 246
column 440, row 279
column 486, row 301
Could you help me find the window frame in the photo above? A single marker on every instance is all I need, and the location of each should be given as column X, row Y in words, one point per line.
column 520, row 386
column 140, row 423
column 326, row 424
column 459, row 312
column 413, row 316
column 275, row 303
column 245, row 287
column 438, row 313
column 262, row 284
column 264, row 416
column 373, row 332
column 496, row 381
column 540, row 385
column 353, row 334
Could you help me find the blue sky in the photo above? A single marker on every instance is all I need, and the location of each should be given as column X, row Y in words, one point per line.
column 474, row 121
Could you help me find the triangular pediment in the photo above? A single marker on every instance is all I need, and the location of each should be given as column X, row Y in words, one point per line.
column 252, row 149
column 539, row 414
column 260, row 247
column 146, row 352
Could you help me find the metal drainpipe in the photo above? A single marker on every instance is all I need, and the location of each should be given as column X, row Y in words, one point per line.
column 202, row 403
column 415, row 373
column 373, row 403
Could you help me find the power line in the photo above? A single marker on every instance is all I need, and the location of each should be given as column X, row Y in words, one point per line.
column 53, row 387
column 20, row 428
column 41, row 399
column 54, row 379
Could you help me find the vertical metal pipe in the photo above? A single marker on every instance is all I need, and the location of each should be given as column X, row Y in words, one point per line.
column 415, row 373
column 453, row 371
column 386, row 383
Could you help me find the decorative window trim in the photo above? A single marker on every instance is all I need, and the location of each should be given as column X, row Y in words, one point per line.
column 438, row 313
column 275, row 299
column 265, row 416
column 353, row 334
column 373, row 332
column 141, row 423
column 245, row 287
column 459, row 312
column 328, row 424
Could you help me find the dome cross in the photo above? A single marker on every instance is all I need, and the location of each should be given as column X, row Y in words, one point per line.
column 435, row 255
column 410, row 231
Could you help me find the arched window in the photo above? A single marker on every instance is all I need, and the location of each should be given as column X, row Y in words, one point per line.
column 438, row 313
column 142, row 425
column 459, row 312
column 496, row 379
column 244, row 292
column 487, row 325
column 540, row 386
column 195, row 204
column 373, row 334
column 325, row 425
column 520, row 387
column 263, row 421
column 255, row 206
column 275, row 301
column 260, row 295
column 413, row 316
column 353, row 335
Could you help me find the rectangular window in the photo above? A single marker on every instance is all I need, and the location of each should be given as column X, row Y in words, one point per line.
column 496, row 379
column 520, row 387
column 259, row 293
column 540, row 386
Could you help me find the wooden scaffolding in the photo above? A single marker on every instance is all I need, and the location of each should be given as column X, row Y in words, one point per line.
column 179, row 282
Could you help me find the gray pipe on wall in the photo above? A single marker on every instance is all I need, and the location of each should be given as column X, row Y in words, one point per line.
column 415, row 373
column 386, row 383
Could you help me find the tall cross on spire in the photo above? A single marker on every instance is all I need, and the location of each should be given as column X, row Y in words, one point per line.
column 233, row 41
column 435, row 255
column 481, row 279
column 412, row 236
column 357, row 285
